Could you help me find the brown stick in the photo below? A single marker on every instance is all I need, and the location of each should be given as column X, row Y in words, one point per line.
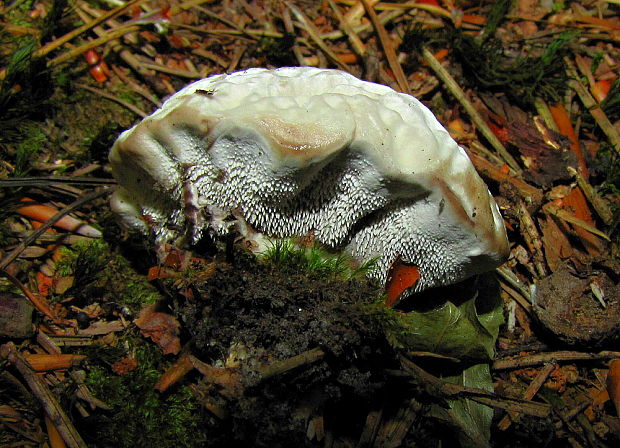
column 488, row 170
column 51, row 406
column 278, row 367
column 560, row 356
column 388, row 48
column 87, row 26
column 136, row 110
column 532, row 389
column 593, row 107
column 443, row 390
column 532, row 238
column 113, row 34
column 458, row 93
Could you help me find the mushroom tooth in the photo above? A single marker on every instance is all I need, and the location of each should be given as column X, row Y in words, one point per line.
column 299, row 150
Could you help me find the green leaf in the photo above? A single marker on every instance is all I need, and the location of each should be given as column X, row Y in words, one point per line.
column 471, row 419
column 467, row 331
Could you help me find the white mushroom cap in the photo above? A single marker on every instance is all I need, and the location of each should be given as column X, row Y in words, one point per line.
column 299, row 150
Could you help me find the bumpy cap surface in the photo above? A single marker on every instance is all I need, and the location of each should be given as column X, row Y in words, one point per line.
column 294, row 151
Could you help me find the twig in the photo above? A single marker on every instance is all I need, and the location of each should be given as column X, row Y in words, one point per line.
column 279, row 367
column 171, row 71
column 358, row 46
column 315, row 36
column 560, row 356
column 441, row 389
column 187, row 5
column 248, row 34
column 598, row 203
column 211, row 56
column 511, row 278
column 123, row 52
column 111, row 35
column 530, row 194
column 517, row 297
column 42, row 181
column 41, row 306
column 532, row 238
column 388, row 48
column 405, row 6
column 143, row 91
column 87, row 26
column 595, row 109
column 530, row 392
column 290, row 29
column 567, row 216
column 238, row 52
column 458, row 93
column 111, row 97
column 51, row 406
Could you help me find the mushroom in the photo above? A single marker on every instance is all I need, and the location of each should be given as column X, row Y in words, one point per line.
column 302, row 150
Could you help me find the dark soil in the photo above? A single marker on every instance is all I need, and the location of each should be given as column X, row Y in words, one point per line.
column 261, row 313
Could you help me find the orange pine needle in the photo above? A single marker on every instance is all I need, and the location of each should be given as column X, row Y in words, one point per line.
column 43, row 362
column 441, row 54
column 562, row 120
column 613, row 383
column 347, row 58
column 174, row 373
column 42, row 213
column 400, row 278
column 474, row 19
column 54, row 437
column 600, row 89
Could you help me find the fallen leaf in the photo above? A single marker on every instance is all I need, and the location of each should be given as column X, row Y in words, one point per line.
column 162, row 328
column 124, row 365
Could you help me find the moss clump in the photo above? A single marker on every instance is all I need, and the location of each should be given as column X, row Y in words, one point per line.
column 103, row 275
column 141, row 416
column 315, row 259
column 487, row 66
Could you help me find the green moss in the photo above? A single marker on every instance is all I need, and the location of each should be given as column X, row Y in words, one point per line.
column 286, row 254
column 538, row 72
column 102, row 274
column 141, row 416
column 278, row 52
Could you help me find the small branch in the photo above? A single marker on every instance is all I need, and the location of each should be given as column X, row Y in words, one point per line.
column 388, row 48
column 568, row 217
column 441, row 389
column 171, row 71
column 560, row 356
column 315, row 36
column 593, row 107
column 111, row 97
column 458, row 93
column 51, row 406
column 532, row 238
column 511, row 278
column 279, row 367
column 114, row 34
column 44, row 181
column 358, row 46
column 76, row 32
column 531, row 391
column 487, row 169
column 598, row 203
